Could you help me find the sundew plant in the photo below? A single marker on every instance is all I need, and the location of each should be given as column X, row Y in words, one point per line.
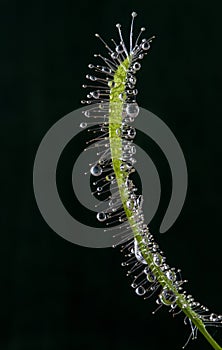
column 111, row 100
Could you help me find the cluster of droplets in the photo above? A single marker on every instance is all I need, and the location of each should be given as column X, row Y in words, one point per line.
column 145, row 281
column 103, row 74
column 151, row 275
column 146, row 263
column 102, row 170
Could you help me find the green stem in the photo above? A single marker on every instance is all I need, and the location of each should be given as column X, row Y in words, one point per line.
column 115, row 122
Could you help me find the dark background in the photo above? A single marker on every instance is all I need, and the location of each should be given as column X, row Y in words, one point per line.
column 55, row 295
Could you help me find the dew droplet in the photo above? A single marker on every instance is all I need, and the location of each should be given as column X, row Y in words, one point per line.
column 130, row 86
column 91, row 77
column 114, row 55
column 139, row 200
column 171, row 275
column 111, row 84
column 146, row 270
column 119, row 48
column 121, row 219
column 122, row 97
column 140, row 290
column 132, row 160
column 83, row 125
column 118, row 131
column 167, row 297
column 138, row 254
column 123, row 167
column 95, row 94
column 133, row 285
column 131, row 133
column 132, row 109
column 87, row 114
column 109, row 177
column 130, row 204
column 106, row 70
column 101, row 216
column 213, row 317
column 151, row 277
column 133, row 150
column 157, row 259
column 137, row 66
column 96, row 170
column 132, row 80
column 146, row 46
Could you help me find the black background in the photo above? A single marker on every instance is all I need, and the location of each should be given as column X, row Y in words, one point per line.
column 55, row 295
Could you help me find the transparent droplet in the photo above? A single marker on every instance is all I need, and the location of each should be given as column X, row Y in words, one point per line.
column 171, row 275
column 95, row 94
column 91, row 77
column 101, row 216
column 133, row 150
column 132, row 160
column 83, row 125
column 119, row 48
column 146, row 270
column 131, row 133
column 137, row 66
column 139, row 200
column 123, row 167
column 133, row 285
column 130, row 86
column 132, row 80
column 109, row 177
column 122, row 97
column 87, row 114
column 111, row 83
column 151, row 277
column 130, row 204
column 99, row 189
column 129, row 92
column 106, row 70
column 140, row 290
column 114, row 55
column 167, row 297
column 118, row 131
column 145, row 46
column 138, row 254
column 132, row 109
column 213, row 317
column 157, row 259
column 96, row 170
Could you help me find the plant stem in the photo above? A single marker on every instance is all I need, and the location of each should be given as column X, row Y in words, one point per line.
column 115, row 122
